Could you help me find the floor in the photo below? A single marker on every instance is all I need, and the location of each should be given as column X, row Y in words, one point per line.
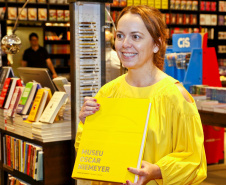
column 216, row 174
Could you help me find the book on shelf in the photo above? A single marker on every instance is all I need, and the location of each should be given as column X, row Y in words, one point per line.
column 67, row 88
column 15, row 181
column 113, row 139
column 5, row 72
column 42, row 14
column 38, row 105
column 23, row 15
column 12, row 13
column 14, row 82
column 27, row 97
column 15, row 100
column 60, row 82
column 53, row 107
column 24, row 156
column 5, row 89
column 32, row 14
column 57, row 131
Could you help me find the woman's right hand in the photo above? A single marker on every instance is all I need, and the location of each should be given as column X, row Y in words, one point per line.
column 89, row 107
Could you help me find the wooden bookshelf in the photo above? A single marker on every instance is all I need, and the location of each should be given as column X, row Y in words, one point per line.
column 56, row 162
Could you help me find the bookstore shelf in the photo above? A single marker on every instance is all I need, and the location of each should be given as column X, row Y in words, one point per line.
column 21, row 175
column 56, row 162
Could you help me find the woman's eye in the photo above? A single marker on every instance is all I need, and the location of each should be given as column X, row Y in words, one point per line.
column 119, row 36
column 136, row 37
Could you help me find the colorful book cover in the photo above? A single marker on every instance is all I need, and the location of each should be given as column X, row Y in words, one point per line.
column 60, row 15
column 24, row 97
column 12, row 13
column 8, row 140
column 23, row 15
column 113, row 139
column 35, row 105
column 39, row 176
column 165, row 4
column 14, row 102
column 26, row 157
column 30, row 100
column 158, row 4
column 14, row 82
column 4, row 91
column 151, row 3
column 12, row 151
column 144, row 2
column 32, row 14
column 42, row 14
column 66, row 15
column 52, row 15
column 136, row 2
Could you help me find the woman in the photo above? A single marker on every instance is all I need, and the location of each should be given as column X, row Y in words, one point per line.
column 174, row 151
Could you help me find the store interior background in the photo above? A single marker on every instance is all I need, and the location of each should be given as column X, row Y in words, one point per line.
column 216, row 172
column 23, row 33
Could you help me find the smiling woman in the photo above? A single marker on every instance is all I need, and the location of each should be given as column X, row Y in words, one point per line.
column 174, row 153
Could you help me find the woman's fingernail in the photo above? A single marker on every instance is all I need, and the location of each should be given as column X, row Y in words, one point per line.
column 128, row 168
column 94, row 100
column 97, row 108
column 98, row 104
column 94, row 111
column 127, row 182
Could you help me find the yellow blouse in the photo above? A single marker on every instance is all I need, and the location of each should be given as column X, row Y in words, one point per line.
column 175, row 134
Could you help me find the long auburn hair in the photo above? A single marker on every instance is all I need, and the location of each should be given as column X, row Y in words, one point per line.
column 155, row 25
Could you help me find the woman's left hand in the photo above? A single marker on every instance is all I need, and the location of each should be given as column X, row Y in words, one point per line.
column 147, row 173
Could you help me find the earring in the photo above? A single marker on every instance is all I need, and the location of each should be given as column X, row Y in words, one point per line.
column 155, row 50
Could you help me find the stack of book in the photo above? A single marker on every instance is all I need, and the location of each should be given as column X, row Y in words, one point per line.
column 2, row 118
column 58, row 131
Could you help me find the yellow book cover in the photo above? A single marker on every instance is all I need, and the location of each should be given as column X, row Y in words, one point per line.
column 144, row 2
column 151, row 3
column 129, row 2
column 35, row 105
column 164, row 4
column 136, row 2
column 158, row 4
column 113, row 139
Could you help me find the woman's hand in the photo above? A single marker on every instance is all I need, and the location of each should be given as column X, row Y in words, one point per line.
column 147, row 173
column 89, row 107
